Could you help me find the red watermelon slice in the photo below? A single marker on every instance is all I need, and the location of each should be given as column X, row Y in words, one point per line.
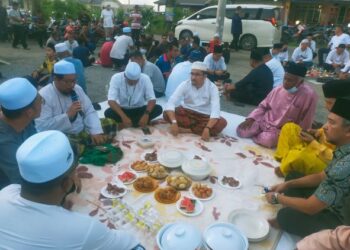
column 188, row 205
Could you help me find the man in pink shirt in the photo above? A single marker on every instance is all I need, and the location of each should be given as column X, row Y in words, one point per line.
column 294, row 101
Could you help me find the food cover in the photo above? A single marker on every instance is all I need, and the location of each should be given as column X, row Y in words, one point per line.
column 196, row 169
column 171, row 158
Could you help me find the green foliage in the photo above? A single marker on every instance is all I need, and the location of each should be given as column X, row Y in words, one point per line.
column 59, row 9
column 147, row 15
column 120, row 14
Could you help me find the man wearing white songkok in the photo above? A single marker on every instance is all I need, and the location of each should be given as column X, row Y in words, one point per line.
column 47, row 165
column 200, row 111
column 303, row 54
column 67, row 108
column 62, row 52
column 20, row 105
column 131, row 98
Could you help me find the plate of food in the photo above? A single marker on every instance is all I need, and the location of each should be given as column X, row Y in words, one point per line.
column 189, row 206
column 229, row 182
column 127, row 177
column 157, row 171
column 150, row 156
column 145, row 184
column 139, row 166
column 179, row 182
column 113, row 190
column 171, row 158
column 167, row 195
column 202, row 191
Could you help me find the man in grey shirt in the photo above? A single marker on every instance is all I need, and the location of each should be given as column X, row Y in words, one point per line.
column 152, row 71
column 20, row 105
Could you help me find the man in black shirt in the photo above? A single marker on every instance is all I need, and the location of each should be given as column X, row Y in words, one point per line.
column 255, row 86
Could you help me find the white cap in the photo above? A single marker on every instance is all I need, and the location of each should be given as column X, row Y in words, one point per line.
column 17, row 93
column 304, row 41
column 61, row 47
column 64, row 68
column 126, row 30
column 199, row 66
column 44, row 156
column 132, row 71
column 216, row 35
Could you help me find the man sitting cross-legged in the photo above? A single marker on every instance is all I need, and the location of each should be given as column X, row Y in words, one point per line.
column 131, row 98
column 200, row 112
column 68, row 109
column 294, row 101
column 317, row 201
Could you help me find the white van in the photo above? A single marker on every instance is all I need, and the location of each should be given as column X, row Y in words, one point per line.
column 261, row 24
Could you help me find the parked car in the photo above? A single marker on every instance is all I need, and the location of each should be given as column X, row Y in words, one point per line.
column 261, row 24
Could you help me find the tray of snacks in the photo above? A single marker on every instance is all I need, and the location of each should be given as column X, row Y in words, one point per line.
column 179, row 182
column 127, row 177
column 139, row 166
column 202, row 191
column 189, row 206
column 229, row 182
column 167, row 195
column 145, row 184
column 113, row 190
column 157, row 171
column 150, row 156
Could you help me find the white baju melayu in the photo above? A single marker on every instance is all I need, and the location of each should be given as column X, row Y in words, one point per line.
column 205, row 100
column 121, row 46
column 334, row 57
column 336, row 40
column 54, row 113
column 130, row 97
column 45, row 226
column 277, row 71
column 181, row 72
column 299, row 55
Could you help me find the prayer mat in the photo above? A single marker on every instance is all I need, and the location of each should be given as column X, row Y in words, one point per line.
column 251, row 164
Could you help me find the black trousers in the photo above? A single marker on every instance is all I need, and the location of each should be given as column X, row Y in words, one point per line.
column 301, row 224
column 246, row 95
column 40, row 37
column 321, row 53
column 134, row 114
column 120, row 63
column 19, row 36
column 135, row 34
column 235, row 41
column 215, row 78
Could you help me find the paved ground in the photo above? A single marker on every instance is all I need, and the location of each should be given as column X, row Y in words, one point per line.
column 23, row 62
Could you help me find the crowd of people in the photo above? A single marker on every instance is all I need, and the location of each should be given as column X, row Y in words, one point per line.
column 47, row 120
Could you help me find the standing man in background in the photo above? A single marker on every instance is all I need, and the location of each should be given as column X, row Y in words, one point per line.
column 17, row 24
column 107, row 18
column 3, row 22
column 236, row 28
column 136, row 18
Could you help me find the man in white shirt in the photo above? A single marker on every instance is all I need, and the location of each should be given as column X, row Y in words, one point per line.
column 67, row 108
column 312, row 44
column 303, row 54
column 275, row 50
column 131, row 98
column 216, row 65
column 337, row 58
column 274, row 65
column 120, row 49
column 152, row 71
column 338, row 38
column 200, row 111
column 71, row 42
column 107, row 18
column 31, row 214
column 283, row 56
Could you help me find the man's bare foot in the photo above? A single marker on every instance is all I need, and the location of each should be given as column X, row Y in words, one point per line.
column 274, row 223
column 278, row 172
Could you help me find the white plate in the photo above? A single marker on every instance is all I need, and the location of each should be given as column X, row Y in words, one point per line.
column 203, row 199
column 143, row 156
column 168, row 158
column 255, row 227
column 111, row 196
column 128, row 182
column 226, row 185
column 198, row 209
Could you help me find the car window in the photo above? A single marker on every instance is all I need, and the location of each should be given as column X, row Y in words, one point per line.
column 249, row 14
column 205, row 14
column 267, row 14
column 229, row 13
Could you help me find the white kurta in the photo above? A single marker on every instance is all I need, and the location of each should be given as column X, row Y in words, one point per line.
column 334, row 57
column 205, row 100
column 53, row 113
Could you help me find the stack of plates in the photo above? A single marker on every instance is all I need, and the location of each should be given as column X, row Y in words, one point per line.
column 171, row 158
column 255, row 227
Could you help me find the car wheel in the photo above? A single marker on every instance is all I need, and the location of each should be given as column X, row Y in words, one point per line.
column 186, row 34
column 248, row 42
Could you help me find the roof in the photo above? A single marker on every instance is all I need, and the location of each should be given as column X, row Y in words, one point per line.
column 199, row 3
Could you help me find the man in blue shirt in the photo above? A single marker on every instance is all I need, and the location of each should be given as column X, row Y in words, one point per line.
column 166, row 61
column 236, row 28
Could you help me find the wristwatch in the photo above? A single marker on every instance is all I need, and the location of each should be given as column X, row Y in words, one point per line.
column 274, row 199
column 173, row 121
